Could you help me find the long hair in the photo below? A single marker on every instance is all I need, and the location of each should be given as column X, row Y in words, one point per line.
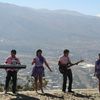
column 41, row 58
column 39, row 50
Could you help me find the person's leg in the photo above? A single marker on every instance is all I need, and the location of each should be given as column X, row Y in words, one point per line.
column 70, row 77
column 64, row 82
column 98, row 76
column 99, row 85
column 41, row 84
column 36, row 79
column 8, row 77
column 14, row 80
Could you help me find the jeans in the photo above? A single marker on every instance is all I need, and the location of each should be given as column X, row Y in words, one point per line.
column 67, row 73
column 13, row 75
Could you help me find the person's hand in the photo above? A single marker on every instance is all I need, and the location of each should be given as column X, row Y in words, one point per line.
column 94, row 74
column 77, row 63
column 50, row 70
column 17, row 70
column 6, row 70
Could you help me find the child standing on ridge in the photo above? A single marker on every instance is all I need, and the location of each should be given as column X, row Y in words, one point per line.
column 38, row 69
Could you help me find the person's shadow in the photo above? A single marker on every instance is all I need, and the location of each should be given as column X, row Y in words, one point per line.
column 83, row 96
column 24, row 97
column 52, row 96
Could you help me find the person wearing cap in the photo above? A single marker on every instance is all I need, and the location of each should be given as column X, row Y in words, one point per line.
column 11, row 73
column 63, row 61
column 97, row 69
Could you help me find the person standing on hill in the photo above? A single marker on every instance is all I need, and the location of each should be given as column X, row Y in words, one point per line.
column 38, row 69
column 63, row 61
column 97, row 70
column 11, row 73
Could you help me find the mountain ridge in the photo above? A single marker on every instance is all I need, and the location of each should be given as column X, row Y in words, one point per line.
column 42, row 28
column 40, row 9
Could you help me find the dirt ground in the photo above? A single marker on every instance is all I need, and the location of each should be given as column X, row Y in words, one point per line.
column 88, row 94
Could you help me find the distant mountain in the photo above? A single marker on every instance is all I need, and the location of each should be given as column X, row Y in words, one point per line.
column 23, row 27
column 27, row 29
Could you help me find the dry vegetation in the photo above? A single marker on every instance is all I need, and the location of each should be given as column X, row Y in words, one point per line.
column 52, row 95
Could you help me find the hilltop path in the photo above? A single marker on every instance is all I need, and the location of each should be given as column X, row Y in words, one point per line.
column 88, row 94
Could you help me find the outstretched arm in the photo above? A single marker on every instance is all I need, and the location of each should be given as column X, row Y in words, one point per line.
column 48, row 66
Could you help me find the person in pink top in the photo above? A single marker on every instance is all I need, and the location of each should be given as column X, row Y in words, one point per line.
column 63, row 61
column 11, row 73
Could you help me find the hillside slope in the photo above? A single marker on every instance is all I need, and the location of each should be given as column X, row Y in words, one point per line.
column 49, row 27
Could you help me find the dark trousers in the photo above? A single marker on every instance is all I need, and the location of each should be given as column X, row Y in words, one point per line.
column 67, row 74
column 13, row 75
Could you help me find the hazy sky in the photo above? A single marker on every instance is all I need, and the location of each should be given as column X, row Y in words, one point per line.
column 91, row 7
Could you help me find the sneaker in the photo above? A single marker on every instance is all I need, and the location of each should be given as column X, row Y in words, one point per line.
column 71, row 91
column 14, row 92
column 63, row 91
